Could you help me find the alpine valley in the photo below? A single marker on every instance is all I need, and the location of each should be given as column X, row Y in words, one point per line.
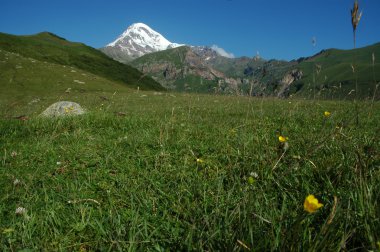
column 141, row 58
column 179, row 67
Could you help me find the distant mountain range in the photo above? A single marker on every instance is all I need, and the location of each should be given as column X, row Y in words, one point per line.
column 207, row 69
column 151, row 62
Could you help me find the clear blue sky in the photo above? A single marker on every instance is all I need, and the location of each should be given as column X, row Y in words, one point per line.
column 275, row 28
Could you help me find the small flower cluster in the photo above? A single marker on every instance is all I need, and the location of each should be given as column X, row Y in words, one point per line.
column 69, row 109
column 20, row 211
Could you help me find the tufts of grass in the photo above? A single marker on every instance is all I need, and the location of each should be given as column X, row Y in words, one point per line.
column 191, row 172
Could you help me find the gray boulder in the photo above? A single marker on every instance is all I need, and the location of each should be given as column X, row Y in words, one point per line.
column 63, row 108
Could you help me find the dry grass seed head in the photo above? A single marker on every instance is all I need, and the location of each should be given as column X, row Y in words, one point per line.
column 373, row 58
column 355, row 15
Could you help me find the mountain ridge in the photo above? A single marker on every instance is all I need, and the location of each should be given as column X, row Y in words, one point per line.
column 316, row 76
column 326, row 74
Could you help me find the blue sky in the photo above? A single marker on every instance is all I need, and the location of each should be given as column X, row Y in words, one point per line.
column 281, row 29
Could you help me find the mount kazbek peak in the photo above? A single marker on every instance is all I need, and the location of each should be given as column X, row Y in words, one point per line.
column 139, row 39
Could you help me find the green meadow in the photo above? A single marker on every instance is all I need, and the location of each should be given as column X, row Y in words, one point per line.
column 163, row 171
column 153, row 171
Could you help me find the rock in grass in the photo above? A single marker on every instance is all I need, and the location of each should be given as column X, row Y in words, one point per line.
column 63, row 108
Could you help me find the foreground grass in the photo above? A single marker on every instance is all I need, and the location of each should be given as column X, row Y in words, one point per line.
column 174, row 174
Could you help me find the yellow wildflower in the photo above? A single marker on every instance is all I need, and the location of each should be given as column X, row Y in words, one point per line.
column 200, row 161
column 251, row 180
column 233, row 132
column 8, row 230
column 327, row 114
column 282, row 139
column 311, row 204
column 69, row 109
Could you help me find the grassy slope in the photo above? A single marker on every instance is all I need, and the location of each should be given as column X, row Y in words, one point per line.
column 194, row 83
column 28, row 85
column 51, row 48
column 235, row 67
column 153, row 195
column 176, row 56
column 336, row 72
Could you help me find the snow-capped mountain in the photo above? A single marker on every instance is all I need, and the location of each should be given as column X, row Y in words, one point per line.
column 138, row 40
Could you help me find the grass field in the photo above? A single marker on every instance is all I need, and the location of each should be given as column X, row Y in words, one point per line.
column 152, row 171
column 161, row 171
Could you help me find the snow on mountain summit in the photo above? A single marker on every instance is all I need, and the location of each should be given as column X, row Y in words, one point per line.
column 139, row 39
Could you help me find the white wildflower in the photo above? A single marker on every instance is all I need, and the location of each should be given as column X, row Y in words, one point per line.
column 254, row 175
column 20, row 211
column 286, row 146
column 16, row 182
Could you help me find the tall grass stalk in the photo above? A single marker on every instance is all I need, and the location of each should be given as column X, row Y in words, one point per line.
column 355, row 18
column 374, row 81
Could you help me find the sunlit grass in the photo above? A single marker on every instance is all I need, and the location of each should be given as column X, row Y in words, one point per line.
column 150, row 171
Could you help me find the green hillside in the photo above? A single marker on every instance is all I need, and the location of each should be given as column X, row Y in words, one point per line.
column 330, row 73
column 28, row 85
column 174, row 55
column 51, row 48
